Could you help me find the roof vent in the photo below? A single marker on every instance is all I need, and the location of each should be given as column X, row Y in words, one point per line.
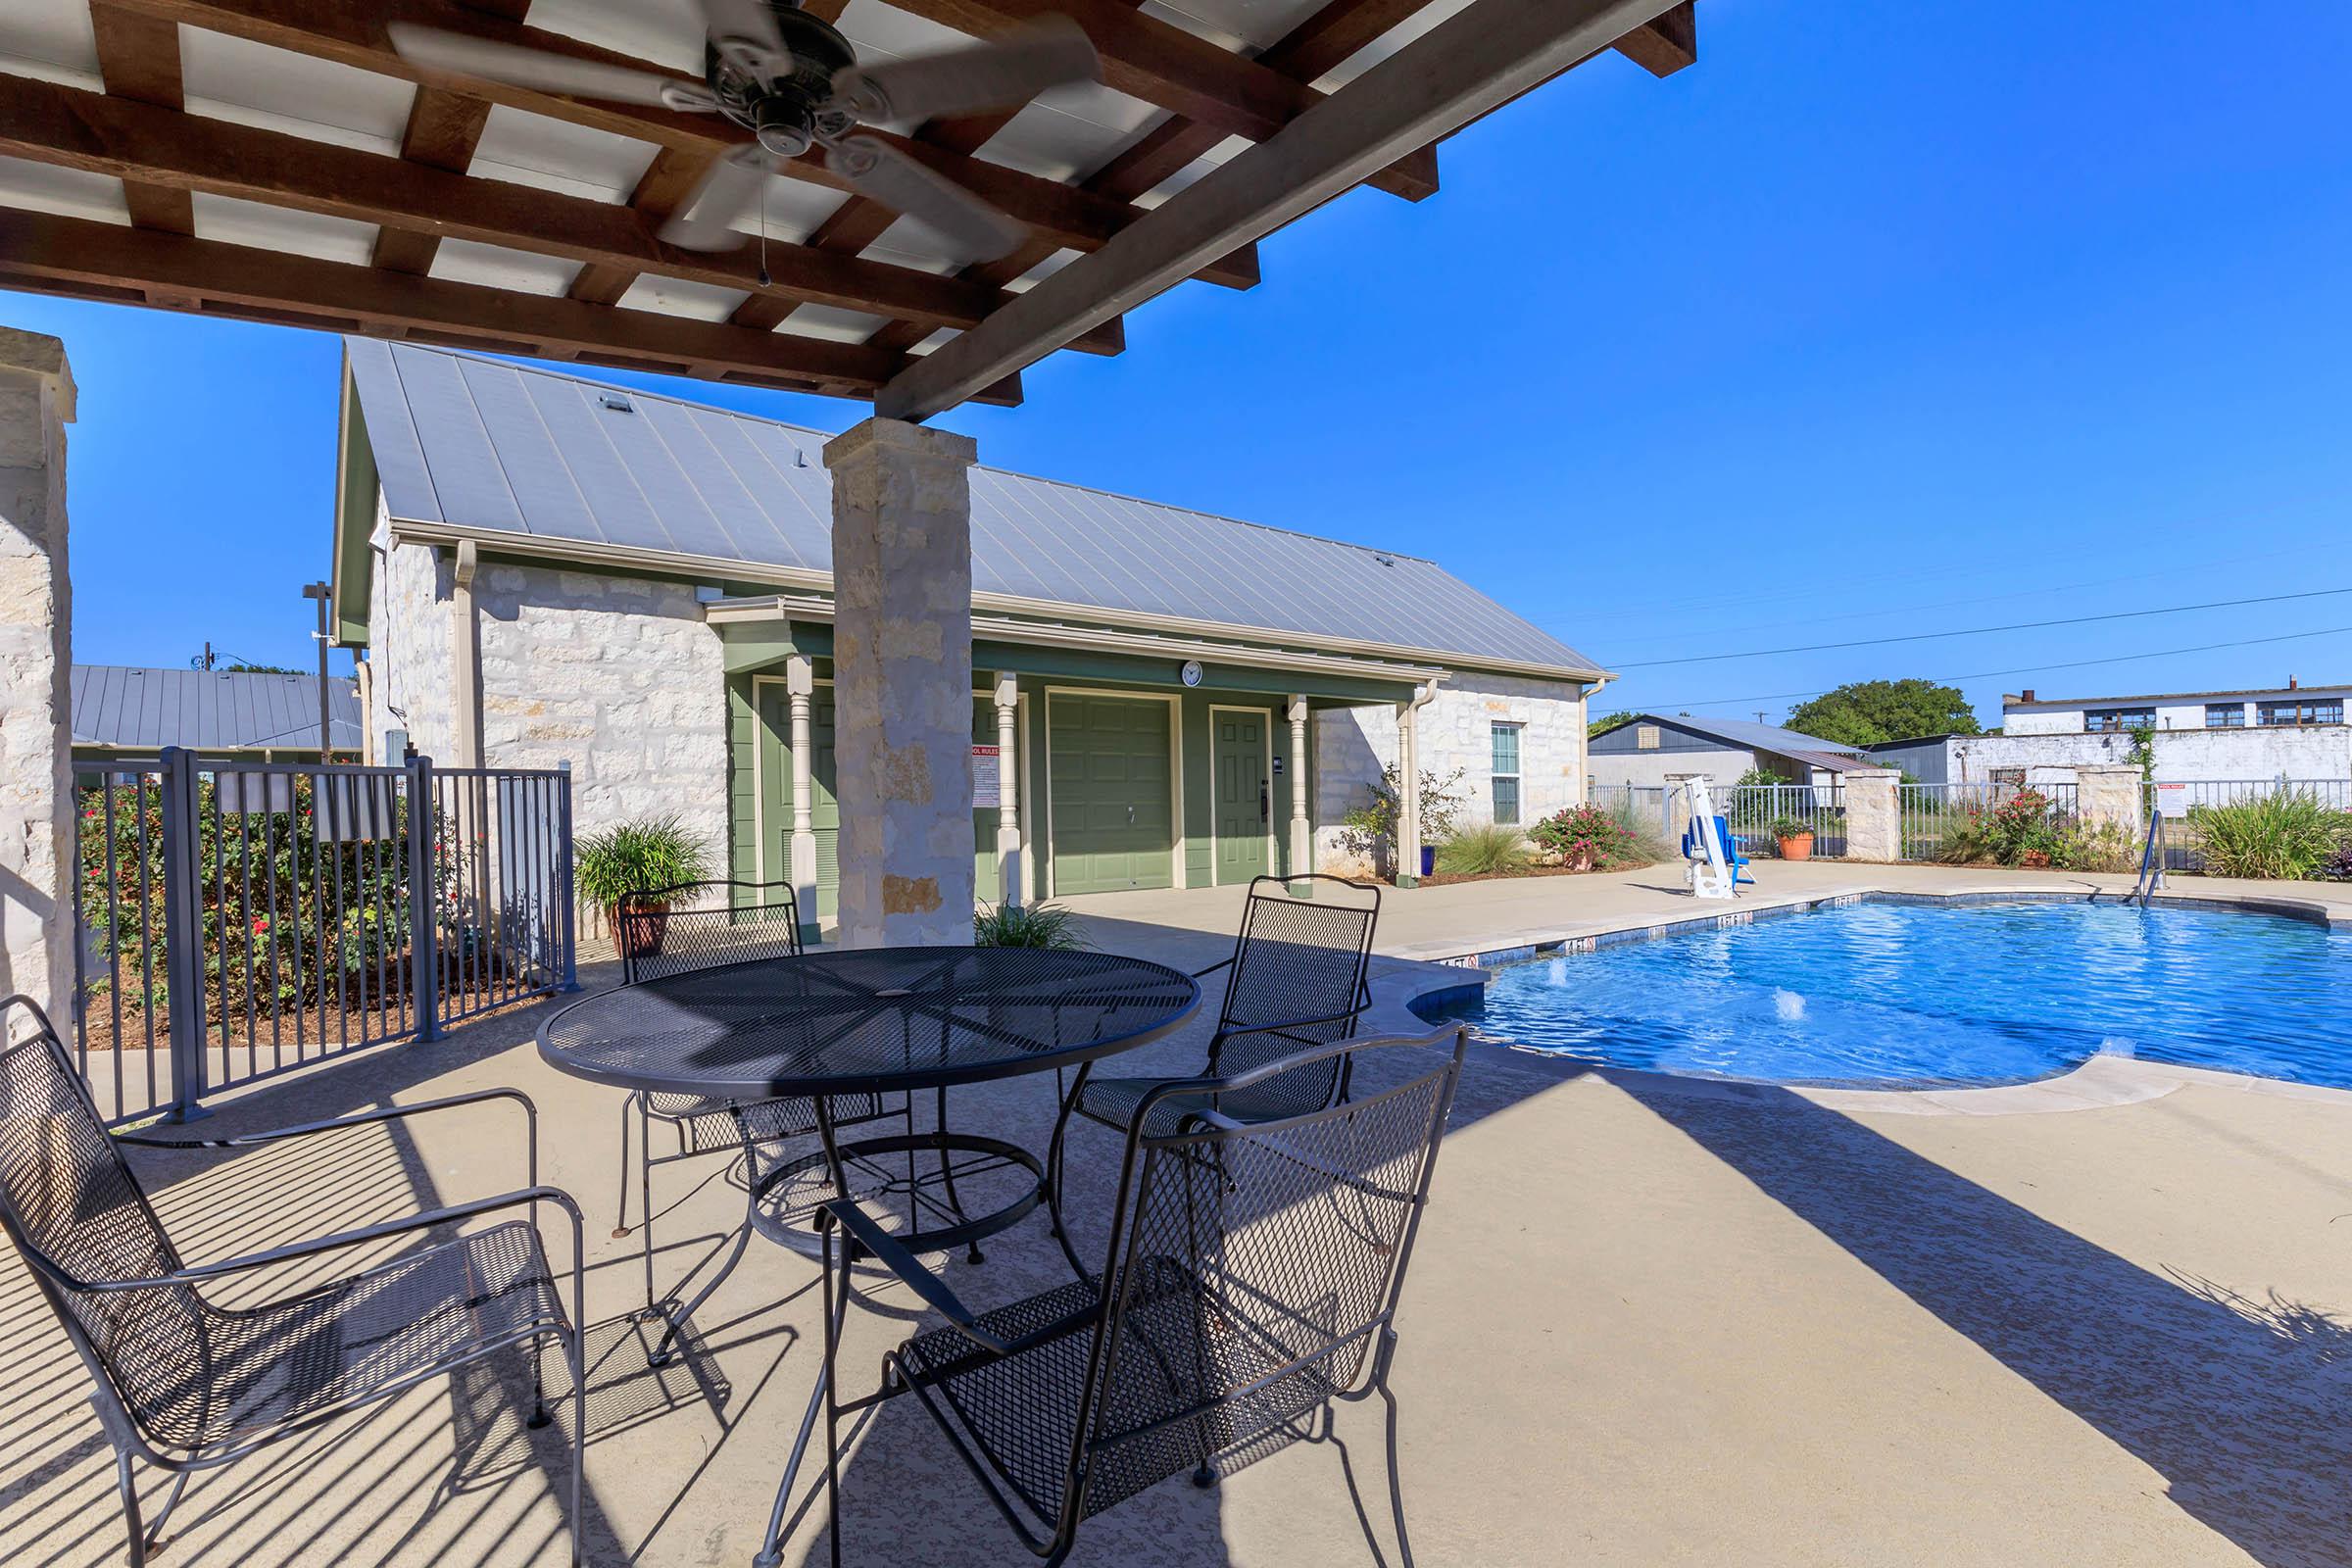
column 617, row 403
column 1384, row 561
column 800, row 457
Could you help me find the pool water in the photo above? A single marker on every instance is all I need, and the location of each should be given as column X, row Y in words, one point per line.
column 1912, row 995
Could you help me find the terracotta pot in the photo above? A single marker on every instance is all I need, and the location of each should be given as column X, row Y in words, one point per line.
column 642, row 934
column 1797, row 847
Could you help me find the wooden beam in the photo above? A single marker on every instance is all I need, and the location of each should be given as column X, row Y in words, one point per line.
column 443, row 131
column 660, row 192
column 1162, row 64
column 138, row 57
column 73, row 128
column 1484, row 56
column 1666, row 43
column 354, row 35
column 105, row 260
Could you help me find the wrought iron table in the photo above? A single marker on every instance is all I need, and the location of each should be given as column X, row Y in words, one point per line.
column 872, row 1021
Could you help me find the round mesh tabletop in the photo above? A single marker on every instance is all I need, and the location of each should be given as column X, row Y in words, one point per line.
column 877, row 1019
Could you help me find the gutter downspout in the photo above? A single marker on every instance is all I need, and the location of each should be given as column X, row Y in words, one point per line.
column 1408, row 766
column 467, row 651
column 1583, row 741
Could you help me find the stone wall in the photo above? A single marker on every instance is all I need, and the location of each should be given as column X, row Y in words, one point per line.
column 410, row 661
column 619, row 676
column 1353, row 744
column 36, row 611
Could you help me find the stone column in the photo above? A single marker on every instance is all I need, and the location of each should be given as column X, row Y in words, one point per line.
column 1009, row 801
column 1874, row 820
column 1302, row 825
column 1409, row 811
column 799, row 691
column 903, row 682
column 2111, row 794
column 36, row 613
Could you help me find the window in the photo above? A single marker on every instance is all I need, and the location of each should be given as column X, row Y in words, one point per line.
column 2114, row 720
column 2308, row 710
column 1505, row 742
column 2224, row 715
column 1645, row 737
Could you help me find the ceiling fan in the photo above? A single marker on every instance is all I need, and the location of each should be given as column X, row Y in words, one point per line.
column 793, row 82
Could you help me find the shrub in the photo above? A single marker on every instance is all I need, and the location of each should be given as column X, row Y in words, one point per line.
column 1036, row 925
column 1592, row 838
column 1370, row 829
column 638, row 857
column 2104, row 848
column 1483, row 851
column 2291, row 835
column 2020, row 831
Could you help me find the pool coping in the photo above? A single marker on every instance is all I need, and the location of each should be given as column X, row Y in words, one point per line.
column 1425, row 979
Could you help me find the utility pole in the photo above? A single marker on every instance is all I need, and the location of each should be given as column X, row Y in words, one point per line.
column 323, row 593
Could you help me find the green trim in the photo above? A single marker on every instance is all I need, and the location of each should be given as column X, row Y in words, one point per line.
column 1161, row 674
column 358, row 485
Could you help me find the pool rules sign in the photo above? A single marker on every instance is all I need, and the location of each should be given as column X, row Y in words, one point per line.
column 988, row 778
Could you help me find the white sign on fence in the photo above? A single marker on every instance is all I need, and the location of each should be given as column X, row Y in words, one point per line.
column 988, row 778
column 2171, row 800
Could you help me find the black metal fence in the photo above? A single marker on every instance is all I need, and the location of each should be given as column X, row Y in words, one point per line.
column 239, row 919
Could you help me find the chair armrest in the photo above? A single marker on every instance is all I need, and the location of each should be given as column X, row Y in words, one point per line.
column 295, row 1250
column 909, row 1269
column 1284, row 1028
column 271, row 1135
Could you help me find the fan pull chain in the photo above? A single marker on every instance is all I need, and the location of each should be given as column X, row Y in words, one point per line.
column 765, row 280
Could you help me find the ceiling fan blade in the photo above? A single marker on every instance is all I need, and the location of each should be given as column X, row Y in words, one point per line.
column 705, row 222
column 1006, row 70
column 745, row 31
column 492, row 61
column 974, row 230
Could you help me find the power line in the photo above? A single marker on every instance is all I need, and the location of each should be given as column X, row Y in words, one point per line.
column 2026, row 669
column 1981, row 631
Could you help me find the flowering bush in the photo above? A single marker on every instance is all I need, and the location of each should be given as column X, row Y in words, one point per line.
column 1588, row 837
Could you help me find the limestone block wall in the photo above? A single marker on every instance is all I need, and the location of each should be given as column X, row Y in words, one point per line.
column 1353, row 744
column 36, row 793
column 621, row 677
column 410, row 655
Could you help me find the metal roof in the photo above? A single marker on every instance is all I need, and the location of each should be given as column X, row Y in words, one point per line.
column 2242, row 693
column 493, row 447
column 1748, row 735
column 209, row 711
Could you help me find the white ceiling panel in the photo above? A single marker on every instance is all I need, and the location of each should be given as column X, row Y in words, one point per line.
column 667, row 33
column 1388, row 43
column 462, row 261
column 1042, row 271
column 50, row 39
column 946, row 334
column 673, row 296
column 531, row 149
column 833, row 324
column 907, row 242
column 1253, row 26
column 881, row 31
column 792, row 209
column 282, row 229
column 1193, row 173
column 65, row 192
column 275, row 89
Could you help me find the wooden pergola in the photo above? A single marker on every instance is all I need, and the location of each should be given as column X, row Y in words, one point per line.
column 278, row 160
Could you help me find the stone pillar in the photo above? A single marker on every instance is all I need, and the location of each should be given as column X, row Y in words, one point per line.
column 1302, row 825
column 2112, row 794
column 36, row 615
column 1408, row 810
column 1874, row 815
column 1009, row 784
column 903, row 682
column 799, row 691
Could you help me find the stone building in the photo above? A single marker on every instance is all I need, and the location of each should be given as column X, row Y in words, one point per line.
column 536, row 567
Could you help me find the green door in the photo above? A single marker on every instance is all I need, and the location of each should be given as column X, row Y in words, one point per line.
column 986, row 872
column 1108, row 782
column 775, row 770
column 1239, row 741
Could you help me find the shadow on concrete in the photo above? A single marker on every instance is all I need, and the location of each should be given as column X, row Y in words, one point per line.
column 2239, row 1404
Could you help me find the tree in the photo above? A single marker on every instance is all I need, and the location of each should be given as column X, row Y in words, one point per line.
column 1865, row 711
column 1605, row 721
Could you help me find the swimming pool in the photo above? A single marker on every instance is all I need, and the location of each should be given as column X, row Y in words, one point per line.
column 1907, row 995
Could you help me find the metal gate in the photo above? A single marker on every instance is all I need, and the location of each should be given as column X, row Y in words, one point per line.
column 240, row 920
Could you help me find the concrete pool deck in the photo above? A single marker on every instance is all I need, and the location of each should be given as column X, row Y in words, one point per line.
column 1651, row 1322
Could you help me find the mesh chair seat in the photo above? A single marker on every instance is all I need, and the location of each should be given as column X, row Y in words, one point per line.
column 242, row 1373
column 1187, row 1351
column 1112, row 1102
column 707, row 1125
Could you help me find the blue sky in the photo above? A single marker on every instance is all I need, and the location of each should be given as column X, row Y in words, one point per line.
column 1857, row 328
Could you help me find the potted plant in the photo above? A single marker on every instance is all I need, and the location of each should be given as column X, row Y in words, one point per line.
column 644, row 856
column 1793, row 836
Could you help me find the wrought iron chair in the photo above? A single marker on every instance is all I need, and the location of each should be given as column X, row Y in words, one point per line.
column 697, row 926
column 185, row 1384
column 1251, row 1278
column 1297, row 980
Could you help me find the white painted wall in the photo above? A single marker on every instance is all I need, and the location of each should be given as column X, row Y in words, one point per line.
column 2185, row 714
column 1651, row 769
column 1455, row 729
column 2322, row 752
